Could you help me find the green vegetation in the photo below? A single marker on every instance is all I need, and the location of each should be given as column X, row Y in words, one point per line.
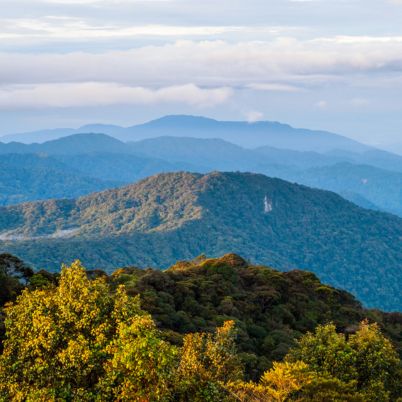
column 33, row 177
column 86, row 336
column 270, row 308
column 176, row 216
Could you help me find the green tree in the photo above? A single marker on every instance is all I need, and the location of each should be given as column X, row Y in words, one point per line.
column 14, row 274
column 68, row 342
column 326, row 352
column 142, row 365
column 208, row 362
column 366, row 359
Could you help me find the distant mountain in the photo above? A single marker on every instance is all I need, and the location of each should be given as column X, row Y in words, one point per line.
column 380, row 187
column 39, row 135
column 106, row 158
column 298, row 159
column 395, row 148
column 248, row 135
column 359, row 200
column 207, row 154
column 31, row 177
column 367, row 186
column 374, row 157
column 126, row 168
column 70, row 145
column 180, row 215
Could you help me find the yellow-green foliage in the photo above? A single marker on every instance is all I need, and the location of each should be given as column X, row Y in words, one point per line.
column 78, row 341
column 277, row 384
column 84, row 340
column 208, row 362
column 327, row 366
column 366, row 359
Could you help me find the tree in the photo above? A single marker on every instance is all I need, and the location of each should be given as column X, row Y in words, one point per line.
column 326, row 352
column 81, row 340
column 377, row 363
column 142, row 365
column 276, row 385
column 327, row 366
column 14, row 273
column 208, row 362
column 67, row 342
column 366, row 359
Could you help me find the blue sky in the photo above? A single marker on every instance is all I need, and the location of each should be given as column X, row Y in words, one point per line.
column 328, row 64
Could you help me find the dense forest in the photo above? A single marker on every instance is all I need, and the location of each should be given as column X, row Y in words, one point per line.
column 203, row 330
column 174, row 216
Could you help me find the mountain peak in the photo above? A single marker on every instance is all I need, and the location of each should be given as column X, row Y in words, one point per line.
column 181, row 120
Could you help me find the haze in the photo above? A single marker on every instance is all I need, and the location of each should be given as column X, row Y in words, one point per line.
column 333, row 65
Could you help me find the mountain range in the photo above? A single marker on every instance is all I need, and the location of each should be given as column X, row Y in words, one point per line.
column 249, row 135
column 372, row 179
column 181, row 215
column 35, row 177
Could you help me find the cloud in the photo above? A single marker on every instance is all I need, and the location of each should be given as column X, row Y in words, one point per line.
column 67, row 28
column 274, row 87
column 287, row 63
column 254, row 116
column 62, row 95
column 162, row 73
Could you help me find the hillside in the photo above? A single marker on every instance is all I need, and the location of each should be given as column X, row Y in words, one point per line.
column 271, row 308
column 32, row 177
column 175, row 216
column 208, row 324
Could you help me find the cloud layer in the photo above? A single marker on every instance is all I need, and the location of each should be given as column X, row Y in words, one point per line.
column 104, row 94
column 283, row 64
column 328, row 63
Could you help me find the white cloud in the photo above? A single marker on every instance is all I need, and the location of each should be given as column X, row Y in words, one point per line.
column 287, row 63
column 57, row 28
column 254, row 116
column 62, row 95
column 274, row 87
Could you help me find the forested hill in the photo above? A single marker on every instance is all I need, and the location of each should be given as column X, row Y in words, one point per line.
column 199, row 331
column 181, row 215
column 270, row 308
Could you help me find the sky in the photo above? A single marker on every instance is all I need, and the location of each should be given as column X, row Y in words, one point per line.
column 320, row 64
